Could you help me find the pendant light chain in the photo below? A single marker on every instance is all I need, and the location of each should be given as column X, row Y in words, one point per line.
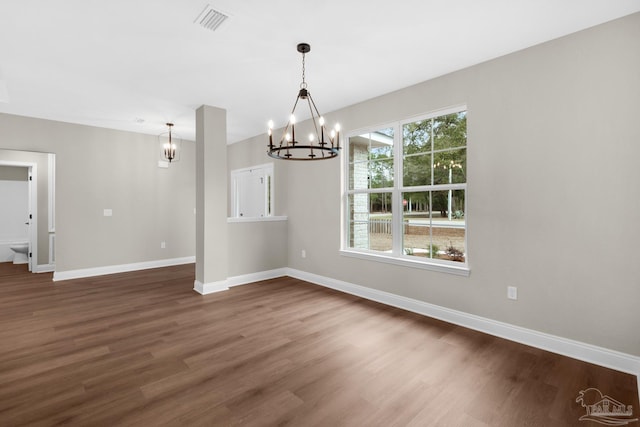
column 303, row 85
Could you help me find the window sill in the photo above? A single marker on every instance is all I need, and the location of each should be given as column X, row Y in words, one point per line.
column 256, row 219
column 461, row 270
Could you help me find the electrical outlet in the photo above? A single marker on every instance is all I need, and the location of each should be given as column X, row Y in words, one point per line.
column 512, row 292
column 303, row 253
column 163, row 245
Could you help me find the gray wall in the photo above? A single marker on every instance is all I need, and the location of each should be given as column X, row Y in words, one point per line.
column 98, row 169
column 258, row 246
column 553, row 147
column 42, row 165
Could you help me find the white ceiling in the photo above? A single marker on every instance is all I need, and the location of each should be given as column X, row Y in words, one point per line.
column 136, row 64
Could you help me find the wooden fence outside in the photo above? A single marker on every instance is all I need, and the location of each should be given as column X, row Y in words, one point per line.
column 383, row 226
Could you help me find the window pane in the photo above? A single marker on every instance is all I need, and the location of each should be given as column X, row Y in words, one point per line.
column 450, row 131
column 450, row 167
column 417, row 170
column 416, row 236
column 381, row 144
column 449, row 240
column 448, row 205
column 358, row 176
column 416, row 137
column 370, row 221
column 430, row 233
column 381, row 173
column 371, row 146
column 448, row 221
column 371, row 160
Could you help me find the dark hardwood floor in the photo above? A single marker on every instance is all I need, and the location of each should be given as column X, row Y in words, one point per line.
column 144, row 349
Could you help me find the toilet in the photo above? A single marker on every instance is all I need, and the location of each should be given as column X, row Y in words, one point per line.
column 20, row 252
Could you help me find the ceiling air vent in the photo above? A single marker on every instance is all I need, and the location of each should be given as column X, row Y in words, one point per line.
column 210, row 18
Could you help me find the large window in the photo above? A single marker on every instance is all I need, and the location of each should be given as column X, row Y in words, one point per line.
column 406, row 190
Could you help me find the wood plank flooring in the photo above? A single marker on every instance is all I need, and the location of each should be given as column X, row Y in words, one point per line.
column 144, row 349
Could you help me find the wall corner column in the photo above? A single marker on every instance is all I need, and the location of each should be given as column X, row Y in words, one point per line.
column 211, row 200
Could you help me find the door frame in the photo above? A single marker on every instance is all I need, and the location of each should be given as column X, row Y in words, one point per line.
column 33, row 208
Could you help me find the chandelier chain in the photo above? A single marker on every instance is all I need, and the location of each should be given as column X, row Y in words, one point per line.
column 303, row 85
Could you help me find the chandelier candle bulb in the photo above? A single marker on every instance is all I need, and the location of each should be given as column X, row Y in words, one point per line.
column 270, row 124
column 169, row 151
column 321, row 121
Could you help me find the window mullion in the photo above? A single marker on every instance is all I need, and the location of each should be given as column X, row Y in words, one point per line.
column 432, row 171
column 371, row 191
column 437, row 187
column 397, row 194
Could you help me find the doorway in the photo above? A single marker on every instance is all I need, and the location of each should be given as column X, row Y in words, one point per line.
column 41, row 199
column 20, row 207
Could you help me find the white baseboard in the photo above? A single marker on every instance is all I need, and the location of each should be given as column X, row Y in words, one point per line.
column 44, row 268
column 223, row 285
column 112, row 269
column 256, row 277
column 578, row 350
column 211, row 287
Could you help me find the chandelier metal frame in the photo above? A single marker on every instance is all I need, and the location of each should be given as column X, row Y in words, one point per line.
column 317, row 147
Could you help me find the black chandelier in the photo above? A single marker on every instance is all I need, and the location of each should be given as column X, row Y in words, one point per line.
column 317, row 147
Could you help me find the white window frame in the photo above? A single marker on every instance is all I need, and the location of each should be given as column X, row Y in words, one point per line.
column 265, row 171
column 397, row 255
